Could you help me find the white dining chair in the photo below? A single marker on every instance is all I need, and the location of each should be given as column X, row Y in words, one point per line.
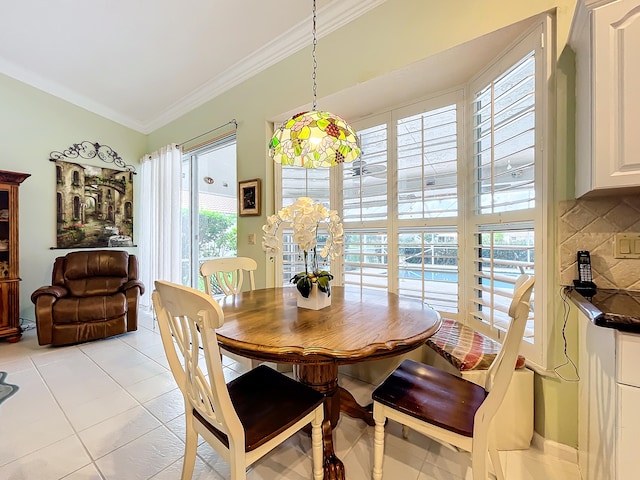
column 225, row 276
column 448, row 408
column 244, row 419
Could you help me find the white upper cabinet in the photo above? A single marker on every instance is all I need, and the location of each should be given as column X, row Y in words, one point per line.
column 605, row 36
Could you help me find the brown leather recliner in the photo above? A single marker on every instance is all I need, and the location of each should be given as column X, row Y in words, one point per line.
column 94, row 294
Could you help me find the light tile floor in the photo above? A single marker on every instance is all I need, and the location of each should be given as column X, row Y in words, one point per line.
column 110, row 410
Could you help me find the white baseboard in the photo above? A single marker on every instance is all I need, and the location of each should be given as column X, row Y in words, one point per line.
column 555, row 449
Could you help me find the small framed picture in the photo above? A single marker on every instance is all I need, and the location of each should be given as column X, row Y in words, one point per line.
column 249, row 197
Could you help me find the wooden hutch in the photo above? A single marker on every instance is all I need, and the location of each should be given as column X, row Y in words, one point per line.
column 9, row 256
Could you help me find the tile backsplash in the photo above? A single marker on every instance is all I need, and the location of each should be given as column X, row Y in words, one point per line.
column 591, row 224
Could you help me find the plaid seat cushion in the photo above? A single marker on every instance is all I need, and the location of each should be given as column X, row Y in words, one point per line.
column 464, row 348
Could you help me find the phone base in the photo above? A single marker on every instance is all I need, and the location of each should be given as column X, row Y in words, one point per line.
column 586, row 289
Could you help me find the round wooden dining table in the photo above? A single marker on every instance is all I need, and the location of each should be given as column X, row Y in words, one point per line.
column 360, row 325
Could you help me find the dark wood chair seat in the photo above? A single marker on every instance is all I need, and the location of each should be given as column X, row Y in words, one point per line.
column 281, row 402
column 432, row 395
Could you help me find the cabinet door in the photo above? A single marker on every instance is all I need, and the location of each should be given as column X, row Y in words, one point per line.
column 616, row 96
column 628, row 358
column 628, row 428
column 5, row 231
column 597, row 400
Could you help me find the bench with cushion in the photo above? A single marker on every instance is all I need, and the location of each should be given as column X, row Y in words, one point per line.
column 459, row 349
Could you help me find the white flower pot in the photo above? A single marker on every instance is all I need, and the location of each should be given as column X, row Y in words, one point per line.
column 316, row 300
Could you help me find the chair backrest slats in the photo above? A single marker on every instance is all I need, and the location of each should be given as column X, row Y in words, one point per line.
column 187, row 319
column 502, row 369
column 228, row 274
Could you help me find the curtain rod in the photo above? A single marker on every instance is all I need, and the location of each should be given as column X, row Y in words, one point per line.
column 233, row 121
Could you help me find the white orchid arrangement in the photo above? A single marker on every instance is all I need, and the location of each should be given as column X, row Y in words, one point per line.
column 305, row 217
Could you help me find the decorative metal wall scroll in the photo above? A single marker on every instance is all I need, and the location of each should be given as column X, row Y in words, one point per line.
column 89, row 150
column 94, row 205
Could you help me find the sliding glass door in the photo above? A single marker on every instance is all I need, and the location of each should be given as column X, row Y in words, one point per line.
column 209, row 206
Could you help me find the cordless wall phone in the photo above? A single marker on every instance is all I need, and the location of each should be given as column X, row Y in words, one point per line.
column 584, row 284
column 584, row 266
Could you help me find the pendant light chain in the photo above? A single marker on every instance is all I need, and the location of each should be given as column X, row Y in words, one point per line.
column 313, row 54
column 314, row 139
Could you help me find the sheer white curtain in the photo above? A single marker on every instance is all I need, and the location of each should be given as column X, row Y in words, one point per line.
column 159, row 241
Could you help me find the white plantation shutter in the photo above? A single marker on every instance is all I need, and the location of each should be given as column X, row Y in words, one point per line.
column 303, row 182
column 504, row 131
column 418, row 168
column 428, row 266
column 366, row 258
column 504, row 252
column 428, row 146
column 427, row 164
column 365, row 211
column 508, row 124
column 364, row 182
column 298, row 182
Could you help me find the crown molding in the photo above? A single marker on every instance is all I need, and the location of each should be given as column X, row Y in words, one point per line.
column 333, row 16
column 50, row 87
column 329, row 19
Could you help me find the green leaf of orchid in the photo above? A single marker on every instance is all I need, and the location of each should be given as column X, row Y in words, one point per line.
column 304, row 286
column 323, row 285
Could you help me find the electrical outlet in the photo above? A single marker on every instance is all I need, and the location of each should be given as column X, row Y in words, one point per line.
column 252, row 239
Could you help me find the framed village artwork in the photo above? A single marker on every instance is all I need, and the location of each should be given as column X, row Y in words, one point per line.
column 94, row 205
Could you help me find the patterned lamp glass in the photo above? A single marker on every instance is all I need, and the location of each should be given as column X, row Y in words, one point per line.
column 314, row 140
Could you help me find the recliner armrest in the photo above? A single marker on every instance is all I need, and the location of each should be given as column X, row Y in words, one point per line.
column 56, row 291
column 132, row 284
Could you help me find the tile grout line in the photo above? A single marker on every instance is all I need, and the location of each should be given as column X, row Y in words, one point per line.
column 64, row 413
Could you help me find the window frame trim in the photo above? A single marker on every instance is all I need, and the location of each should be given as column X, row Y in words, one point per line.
column 538, row 37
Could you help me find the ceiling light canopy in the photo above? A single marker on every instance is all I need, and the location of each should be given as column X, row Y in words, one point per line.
column 314, row 139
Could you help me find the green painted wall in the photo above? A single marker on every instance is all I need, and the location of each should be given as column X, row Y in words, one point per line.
column 32, row 125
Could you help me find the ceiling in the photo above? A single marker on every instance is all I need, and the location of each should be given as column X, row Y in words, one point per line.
column 144, row 63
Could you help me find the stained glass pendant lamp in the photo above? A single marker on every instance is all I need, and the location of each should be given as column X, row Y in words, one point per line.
column 314, row 139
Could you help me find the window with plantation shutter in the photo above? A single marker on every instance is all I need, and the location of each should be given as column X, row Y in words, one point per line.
column 298, row 182
column 364, row 182
column 428, row 266
column 303, row 182
column 411, row 156
column 427, row 193
column 366, row 261
column 448, row 202
column 504, row 252
column 365, row 210
column 428, row 164
column 507, row 220
column 504, row 143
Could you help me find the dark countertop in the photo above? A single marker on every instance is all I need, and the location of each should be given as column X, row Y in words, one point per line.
column 619, row 309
